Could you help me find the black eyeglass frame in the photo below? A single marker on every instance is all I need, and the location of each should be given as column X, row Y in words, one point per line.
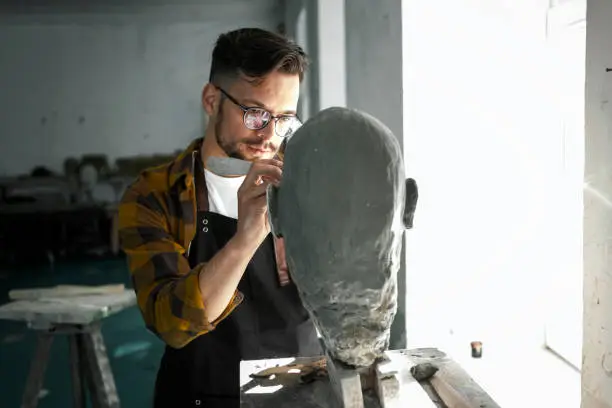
column 246, row 109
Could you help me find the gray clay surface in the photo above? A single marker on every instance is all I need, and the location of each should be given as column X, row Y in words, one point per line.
column 340, row 208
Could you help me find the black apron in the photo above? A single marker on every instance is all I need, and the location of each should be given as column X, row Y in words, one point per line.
column 269, row 323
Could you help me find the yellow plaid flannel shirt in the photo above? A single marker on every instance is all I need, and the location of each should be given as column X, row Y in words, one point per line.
column 157, row 222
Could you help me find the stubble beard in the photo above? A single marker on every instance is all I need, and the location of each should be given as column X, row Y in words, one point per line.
column 229, row 148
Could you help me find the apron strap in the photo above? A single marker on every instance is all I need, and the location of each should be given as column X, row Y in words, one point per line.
column 281, row 262
column 200, row 183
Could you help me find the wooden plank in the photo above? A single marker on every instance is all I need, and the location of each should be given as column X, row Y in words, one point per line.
column 64, row 291
column 451, row 382
column 458, row 390
column 69, row 310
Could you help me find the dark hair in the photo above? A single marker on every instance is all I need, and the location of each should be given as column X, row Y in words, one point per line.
column 254, row 53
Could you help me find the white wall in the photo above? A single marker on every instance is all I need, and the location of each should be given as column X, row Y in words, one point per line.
column 120, row 80
column 567, row 43
column 597, row 342
column 479, row 140
column 476, row 139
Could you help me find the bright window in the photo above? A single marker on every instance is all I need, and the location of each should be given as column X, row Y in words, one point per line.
column 566, row 37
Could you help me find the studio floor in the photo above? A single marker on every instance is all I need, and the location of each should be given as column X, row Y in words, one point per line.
column 134, row 353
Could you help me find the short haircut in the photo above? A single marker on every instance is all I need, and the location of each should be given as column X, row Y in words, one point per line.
column 253, row 53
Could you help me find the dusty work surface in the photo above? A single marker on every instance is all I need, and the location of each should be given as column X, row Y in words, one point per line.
column 287, row 390
column 305, row 383
column 302, row 387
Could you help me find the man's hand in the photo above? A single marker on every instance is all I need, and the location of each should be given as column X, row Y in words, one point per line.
column 221, row 274
column 253, row 224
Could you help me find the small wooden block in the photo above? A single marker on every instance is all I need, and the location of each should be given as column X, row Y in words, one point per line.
column 397, row 387
column 388, row 383
column 346, row 383
column 388, row 390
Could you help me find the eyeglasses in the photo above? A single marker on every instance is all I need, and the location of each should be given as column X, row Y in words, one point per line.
column 256, row 118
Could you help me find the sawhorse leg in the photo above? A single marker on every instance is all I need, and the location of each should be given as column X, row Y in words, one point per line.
column 77, row 362
column 89, row 367
column 38, row 367
column 98, row 370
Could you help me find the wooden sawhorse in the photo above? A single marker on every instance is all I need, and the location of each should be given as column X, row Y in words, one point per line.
column 78, row 318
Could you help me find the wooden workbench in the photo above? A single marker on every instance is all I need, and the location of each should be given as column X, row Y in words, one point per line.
column 450, row 387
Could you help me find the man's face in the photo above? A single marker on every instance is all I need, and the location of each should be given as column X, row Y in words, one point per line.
column 278, row 93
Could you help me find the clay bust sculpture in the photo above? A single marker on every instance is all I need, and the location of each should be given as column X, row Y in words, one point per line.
column 342, row 207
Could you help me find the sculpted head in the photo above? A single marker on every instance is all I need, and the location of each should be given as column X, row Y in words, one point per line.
column 342, row 208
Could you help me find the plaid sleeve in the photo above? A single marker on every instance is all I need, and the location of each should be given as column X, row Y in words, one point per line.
column 167, row 288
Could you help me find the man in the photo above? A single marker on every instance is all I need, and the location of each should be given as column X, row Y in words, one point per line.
column 199, row 247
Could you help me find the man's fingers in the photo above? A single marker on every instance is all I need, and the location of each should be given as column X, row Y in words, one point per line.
column 269, row 170
column 273, row 162
column 254, row 191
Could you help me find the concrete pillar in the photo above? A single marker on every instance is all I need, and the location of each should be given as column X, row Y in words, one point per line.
column 332, row 50
column 311, row 10
column 318, row 25
column 299, row 22
column 292, row 12
column 374, row 85
column 597, row 336
column 374, row 60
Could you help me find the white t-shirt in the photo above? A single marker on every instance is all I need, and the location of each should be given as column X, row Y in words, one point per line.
column 223, row 194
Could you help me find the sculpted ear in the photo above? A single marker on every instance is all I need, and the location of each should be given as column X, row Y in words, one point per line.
column 272, row 199
column 412, row 196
